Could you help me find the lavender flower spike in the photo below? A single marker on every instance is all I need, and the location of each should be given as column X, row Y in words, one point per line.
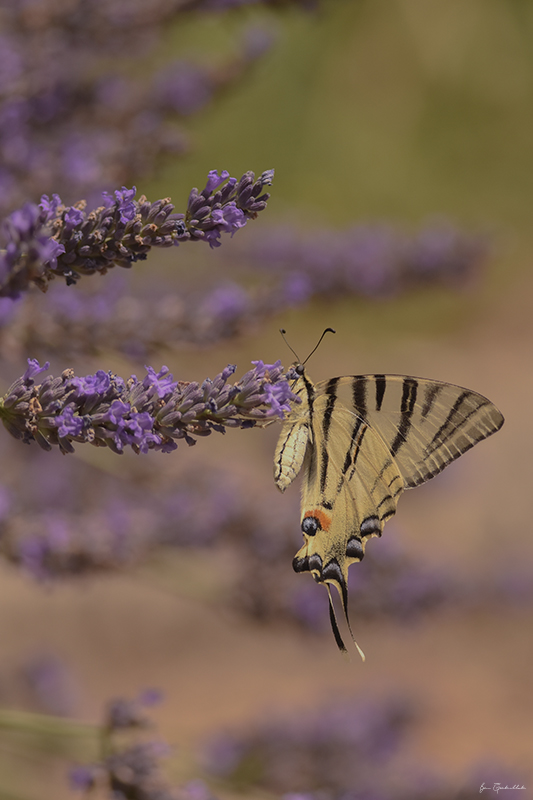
column 148, row 414
column 40, row 242
column 225, row 208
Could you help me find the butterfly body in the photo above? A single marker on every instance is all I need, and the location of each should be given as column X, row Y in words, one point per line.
column 359, row 442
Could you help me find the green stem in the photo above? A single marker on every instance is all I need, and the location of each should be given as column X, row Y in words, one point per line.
column 45, row 724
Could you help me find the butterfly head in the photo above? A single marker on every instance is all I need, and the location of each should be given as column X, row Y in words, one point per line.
column 298, row 368
column 296, row 373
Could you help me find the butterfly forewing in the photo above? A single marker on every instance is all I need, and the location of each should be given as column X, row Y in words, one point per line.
column 350, row 487
column 425, row 424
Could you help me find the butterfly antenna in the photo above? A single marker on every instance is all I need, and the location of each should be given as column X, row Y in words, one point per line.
column 283, row 332
column 327, row 330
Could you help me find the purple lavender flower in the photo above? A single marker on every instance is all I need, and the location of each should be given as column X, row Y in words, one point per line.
column 129, row 521
column 225, row 205
column 33, row 370
column 136, row 432
column 28, row 247
column 53, row 239
column 161, row 382
column 97, row 384
column 145, row 415
column 214, row 180
column 278, row 397
column 123, row 203
column 68, row 424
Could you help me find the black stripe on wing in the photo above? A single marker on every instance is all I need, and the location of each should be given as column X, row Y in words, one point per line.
column 456, row 420
column 381, row 385
column 431, row 393
column 409, row 394
column 355, row 441
column 359, row 391
column 331, row 394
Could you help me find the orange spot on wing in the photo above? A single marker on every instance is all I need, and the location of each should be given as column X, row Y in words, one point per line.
column 323, row 518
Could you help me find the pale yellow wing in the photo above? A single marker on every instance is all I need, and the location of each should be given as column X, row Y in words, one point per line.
column 425, row 424
column 362, row 440
column 350, row 488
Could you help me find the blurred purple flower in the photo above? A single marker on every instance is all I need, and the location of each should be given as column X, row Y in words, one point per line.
column 333, row 748
column 184, row 87
column 130, row 771
column 123, row 713
column 64, row 123
column 289, row 274
column 52, row 684
column 83, row 778
column 226, row 303
column 223, row 753
column 195, row 790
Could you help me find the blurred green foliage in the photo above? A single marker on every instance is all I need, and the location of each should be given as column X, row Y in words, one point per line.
column 375, row 108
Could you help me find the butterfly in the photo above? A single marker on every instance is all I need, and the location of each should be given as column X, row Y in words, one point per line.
column 360, row 441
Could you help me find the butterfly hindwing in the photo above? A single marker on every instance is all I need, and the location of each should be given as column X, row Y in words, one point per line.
column 360, row 441
column 350, row 488
column 293, row 439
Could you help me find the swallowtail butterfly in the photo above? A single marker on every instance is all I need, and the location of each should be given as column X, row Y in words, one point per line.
column 359, row 442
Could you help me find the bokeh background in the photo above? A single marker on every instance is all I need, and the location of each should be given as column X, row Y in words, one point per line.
column 398, row 120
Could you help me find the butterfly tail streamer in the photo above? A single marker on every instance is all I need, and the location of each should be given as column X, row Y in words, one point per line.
column 347, row 618
column 335, row 626
column 351, row 632
column 334, row 623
